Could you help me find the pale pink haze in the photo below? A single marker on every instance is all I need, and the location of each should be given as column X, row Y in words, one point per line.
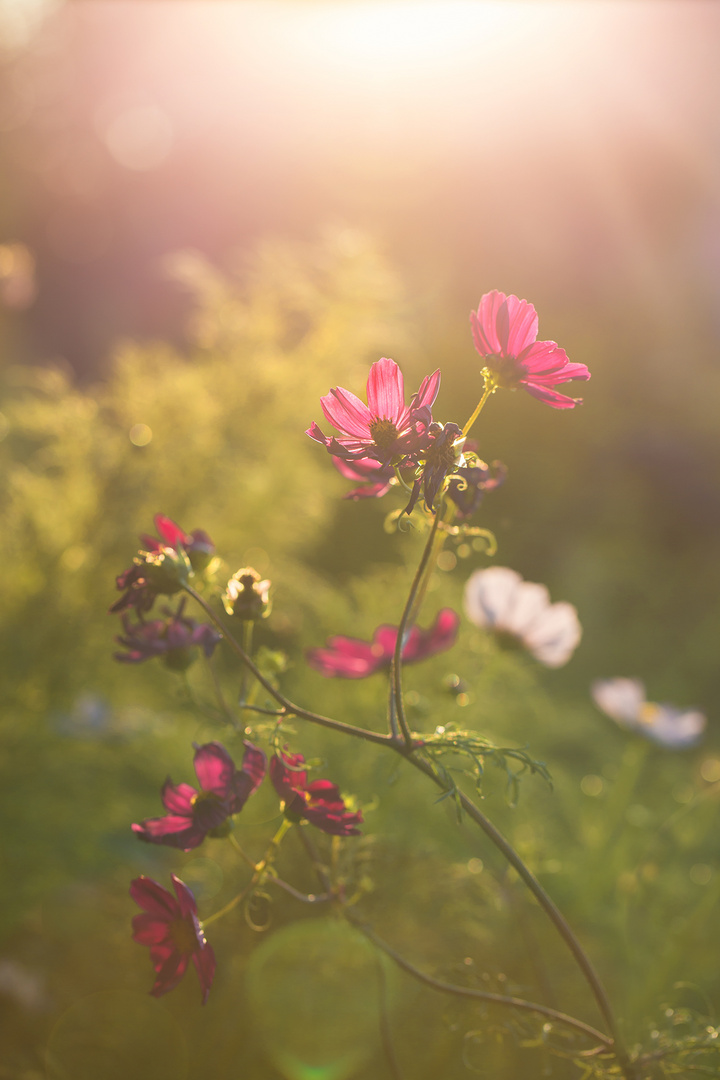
column 384, row 429
column 497, row 599
column 625, row 701
column 351, row 658
column 505, row 331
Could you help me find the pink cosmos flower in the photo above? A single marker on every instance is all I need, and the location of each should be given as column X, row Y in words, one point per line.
column 171, row 929
column 318, row 802
column 349, row 658
column 174, row 640
column 505, row 331
column 374, row 478
column 386, row 429
column 193, row 814
column 162, row 566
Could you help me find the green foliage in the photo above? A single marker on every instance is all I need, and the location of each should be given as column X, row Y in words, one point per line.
column 625, row 842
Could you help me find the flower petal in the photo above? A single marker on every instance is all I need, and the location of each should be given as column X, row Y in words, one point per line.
column 214, row 768
column 178, row 798
column 386, row 390
column 170, row 533
column 170, row 974
column 553, row 637
column 347, row 413
column 619, row 698
column 149, row 929
column 186, row 901
column 489, row 595
column 152, row 898
column 204, row 961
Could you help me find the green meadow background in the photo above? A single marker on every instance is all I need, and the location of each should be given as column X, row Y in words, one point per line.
column 223, row 358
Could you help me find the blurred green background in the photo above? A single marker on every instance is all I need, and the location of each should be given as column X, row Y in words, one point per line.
column 211, row 214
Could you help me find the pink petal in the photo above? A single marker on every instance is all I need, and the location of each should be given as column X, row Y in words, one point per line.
column 152, row 898
column 384, row 641
column 186, row 900
column 171, row 533
column 214, row 768
column 385, row 390
column 551, row 397
column 204, row 961
column 177, row 798
column 522, row 329
column 347, row 413
column 545, row 358
column 484, row 324
column 428, row 391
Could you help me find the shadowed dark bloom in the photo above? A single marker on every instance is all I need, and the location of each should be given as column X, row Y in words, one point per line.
column 193, row 814
column 175, row 640
column 442, row 453
column 318, row 802
column 163, row 566
column 472, row 481
column 197, row 545
column 385, row 429
column 246, row 596
column 349, row 658
column 374, row 477
column 171, row 930
column 505, row 331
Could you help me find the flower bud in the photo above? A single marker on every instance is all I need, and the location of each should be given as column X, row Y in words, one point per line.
column 246, row 596
column 166, row 570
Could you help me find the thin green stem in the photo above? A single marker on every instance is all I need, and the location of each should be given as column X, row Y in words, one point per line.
column 260, row 869
column 246, row 635
column 287, row 706
column 489, row 388
column 550, row 909
column 410, row 606
column 471, row 992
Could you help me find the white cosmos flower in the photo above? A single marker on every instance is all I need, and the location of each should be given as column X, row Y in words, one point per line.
column 625, row 701
column 498, row 599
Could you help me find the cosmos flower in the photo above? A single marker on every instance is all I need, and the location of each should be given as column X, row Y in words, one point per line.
column 193, row 814
column 374, row 478
column 624, row 700
column 318, row 802
column 171, row 930
column 386, row 429
column 505, row 332
column 350, row 658
column 197, row 545
column 174, row 640
column 497, row 599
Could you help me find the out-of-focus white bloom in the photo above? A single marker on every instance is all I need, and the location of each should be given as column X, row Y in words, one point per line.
column 498, row 599
column 625, row 701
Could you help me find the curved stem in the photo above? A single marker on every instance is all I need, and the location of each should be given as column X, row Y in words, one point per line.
column 260, row 869
column 480, row 995
column 287, row 705
column 489, row 387
column 550, row 909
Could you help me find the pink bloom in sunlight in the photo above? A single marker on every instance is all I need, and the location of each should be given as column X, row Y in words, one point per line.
column 349, row 658
column 505, row 331
column 318, row 802
column 386, row 429
column 171, row 930
column 374, row 478
column 193, row 814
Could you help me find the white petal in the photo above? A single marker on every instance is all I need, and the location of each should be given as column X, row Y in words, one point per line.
column 554, row 635
column 670, row 726
column 489, row 594
column 620, row 698
column 528, row 605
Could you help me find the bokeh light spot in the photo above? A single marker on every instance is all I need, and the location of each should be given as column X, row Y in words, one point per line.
column 140, row 435
column 139, row 138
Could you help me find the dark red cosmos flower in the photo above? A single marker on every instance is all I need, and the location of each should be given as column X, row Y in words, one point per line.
column 350, row 658
column 374, row 477
column 197, row 545
column 505, row 331
column 162, row 566
column 171, row 930
column 174, row 639
column 193, row 814
column 318, row 802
